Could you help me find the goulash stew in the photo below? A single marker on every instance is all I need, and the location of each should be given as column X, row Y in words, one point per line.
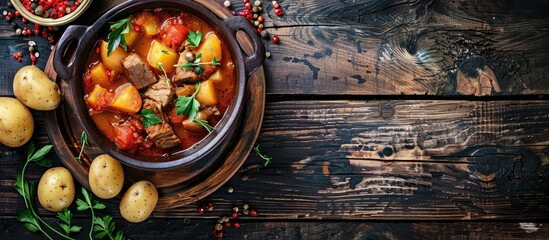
column 158, row 82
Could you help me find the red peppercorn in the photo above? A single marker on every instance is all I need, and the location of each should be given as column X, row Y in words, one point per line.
column 218, row 234
column 250, row 16
column 276, row 5
column 36, row 26
column 10, row 15
column 234, row 13
column 242, row 13
column 200, row 210
column 236, row 225
column 275, row 39
column 279, row 12
column 259, row 30
column 254, row 213
column 17, row 14
column 248, row 5
column 36, row 31
column 97, row 50
column 19, row 59
column 24, row 20
column 108, row 73
column 260, row 19
column 246, row 1
column 234, row 215
column 227, row 224
column 137, row 28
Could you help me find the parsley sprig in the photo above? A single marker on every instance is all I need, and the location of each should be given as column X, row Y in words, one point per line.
column 197, row 62
column 188, row 105
column 266, row 158
column 100, row 226
column 194, row 38
column 148, row 118
column 116, row 36
column 27, row 189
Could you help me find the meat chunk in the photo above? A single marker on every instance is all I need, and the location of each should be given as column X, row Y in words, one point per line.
column 138, row 71
column 187, row 76
column 161, row 92
column 161, row 134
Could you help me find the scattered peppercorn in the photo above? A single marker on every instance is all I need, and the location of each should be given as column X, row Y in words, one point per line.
column 254, row 213
column 218, row 227
column 234, row 215
column 201, row 210
column 275, row 39
column 236, row 225
column 230, row 189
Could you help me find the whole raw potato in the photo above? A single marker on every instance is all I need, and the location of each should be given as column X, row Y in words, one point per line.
column 33, row 88
column 56, row 189
column 106, row 176
column 16, row 122
column 139, row 201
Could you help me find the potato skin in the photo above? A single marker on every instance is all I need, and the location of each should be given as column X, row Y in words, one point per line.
column 33, row 88
column 139, row 201
column 16, row 122
column 56, row 189
column 106, row 176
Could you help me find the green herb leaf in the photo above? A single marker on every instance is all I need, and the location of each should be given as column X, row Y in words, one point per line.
column 183, row 105
column 83, row 142
column 30, row 223
column 65, row 216
column 30, row 150
column 81, row 205
column 44, row 162
column 98, row 205
column 76, row 228
column 41, row 153
column 116, row 36
column 19, row 182
column 197, row 62
column 149, row 118
column 105, row 226
column 165, row 52
column 266, row 158
column 194, row 38
column 204, row 124
column 198, row 58
column 215, row 62
column 188, row 105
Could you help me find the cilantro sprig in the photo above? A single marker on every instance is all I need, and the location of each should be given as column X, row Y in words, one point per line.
column 116, row 36
column 194, row 38
column 265, row 158
column 188, row 105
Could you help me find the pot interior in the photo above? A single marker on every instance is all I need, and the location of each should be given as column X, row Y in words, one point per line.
column 214, row 143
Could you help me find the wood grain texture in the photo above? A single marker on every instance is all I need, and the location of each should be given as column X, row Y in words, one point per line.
column 296, row 230
column 406, row 47
column 385, row 160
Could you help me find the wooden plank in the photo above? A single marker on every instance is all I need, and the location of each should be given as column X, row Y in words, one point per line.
column 394, row 47
column 386, row 47
column 385, row 160
column 202, row 229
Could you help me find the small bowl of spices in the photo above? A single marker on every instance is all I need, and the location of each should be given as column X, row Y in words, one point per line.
column 51, row 12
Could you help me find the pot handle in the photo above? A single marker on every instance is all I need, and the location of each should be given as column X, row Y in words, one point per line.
column 254, row 61
column 73, row 35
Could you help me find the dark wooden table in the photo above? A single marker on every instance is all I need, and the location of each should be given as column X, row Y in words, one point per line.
column 385, row 119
